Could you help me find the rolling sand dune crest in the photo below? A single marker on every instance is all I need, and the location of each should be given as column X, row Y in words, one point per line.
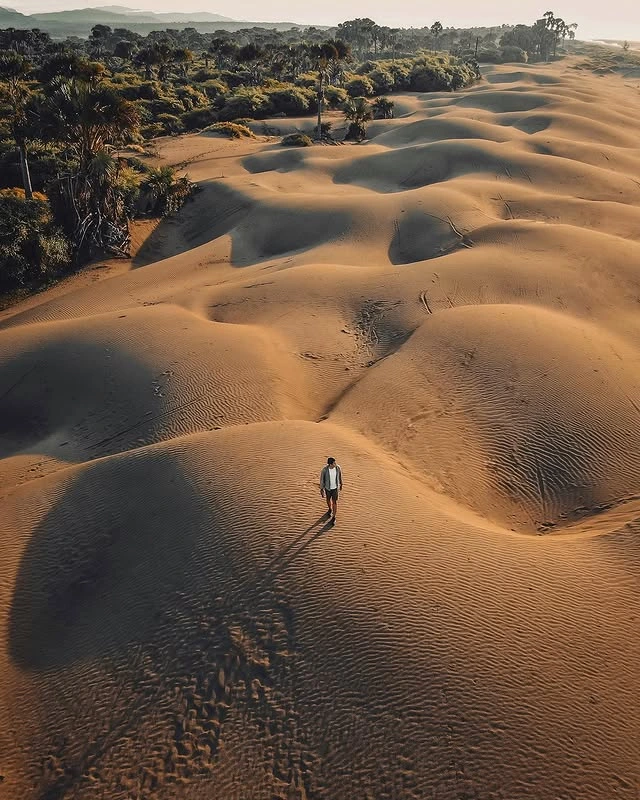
column 451, row 310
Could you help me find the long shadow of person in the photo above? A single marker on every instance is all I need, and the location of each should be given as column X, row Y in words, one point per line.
column 299, row 538
column 295, row 548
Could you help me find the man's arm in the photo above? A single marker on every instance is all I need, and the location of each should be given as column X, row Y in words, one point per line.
column 322, row 481
column 340, row 478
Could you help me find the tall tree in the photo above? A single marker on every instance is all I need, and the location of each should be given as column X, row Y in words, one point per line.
column 251, row 55
column 323, row 57
column 124, row 49
column 147, row 58
column 183, row 57
column 357, row 33
column 358, row 111
column 14, row 70
column 88, row 120
column 436, row 31
column 164, row 53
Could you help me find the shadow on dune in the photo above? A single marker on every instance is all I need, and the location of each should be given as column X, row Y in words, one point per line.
column 521, row 75
column 214, row 212
column 101, row 568
column 72, row 399
column 259, row 230
column 134, row 593
column 84, row 394
column 420, row 236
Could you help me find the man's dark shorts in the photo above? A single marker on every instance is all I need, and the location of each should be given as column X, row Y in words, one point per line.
column 332, row 494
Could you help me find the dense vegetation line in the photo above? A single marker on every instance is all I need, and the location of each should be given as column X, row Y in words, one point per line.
column 67, row 192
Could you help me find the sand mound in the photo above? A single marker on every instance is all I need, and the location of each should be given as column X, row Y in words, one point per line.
column 546, row 439
column 451, row 310
column 424, row 165
column 522, row 78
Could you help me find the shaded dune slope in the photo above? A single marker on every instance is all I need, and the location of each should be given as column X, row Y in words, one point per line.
column 452, row 310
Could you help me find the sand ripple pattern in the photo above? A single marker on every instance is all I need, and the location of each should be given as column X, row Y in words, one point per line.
column 450, row 309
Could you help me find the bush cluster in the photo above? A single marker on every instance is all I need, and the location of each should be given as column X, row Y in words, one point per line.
column 509, row 54
column 429, row 72
column 296, row 140
column 234, row 130
column 210, row 95
column 32, row 249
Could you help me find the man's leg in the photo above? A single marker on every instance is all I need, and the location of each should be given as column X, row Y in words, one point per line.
column 327, row 497
column 334, row 505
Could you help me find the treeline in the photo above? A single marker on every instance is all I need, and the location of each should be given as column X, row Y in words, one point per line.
column 541, row 40
column 66, row 195
column 68, row 108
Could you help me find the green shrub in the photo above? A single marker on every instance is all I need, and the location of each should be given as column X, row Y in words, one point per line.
column 442, row 73
column 335, row 96
column 366, row 67
column 198, row 118
column 401, row 72
column 296, row 140
column 359, row 87
column 203, row 75
column 191, row 98
column 234, row 79
column 514, row 54
column 137, row 165
column 45, row 163
column 134, row 92
column 290, row 100
column 152, row 130
column 230, row 129
column 171, row 123
column 490, row 56
column 246, row 102
column 382, row 81
column 149, row 90
column 307, row 80
column 383, row 108
column 430, row 78
column 166, row 105
column 32, row 249
column 464, row 74
column 215, row 88
column 163, row 193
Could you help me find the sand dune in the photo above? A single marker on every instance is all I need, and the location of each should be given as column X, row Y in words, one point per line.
column 452, row 310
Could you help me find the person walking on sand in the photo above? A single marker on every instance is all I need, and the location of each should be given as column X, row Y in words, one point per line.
column 331, row 486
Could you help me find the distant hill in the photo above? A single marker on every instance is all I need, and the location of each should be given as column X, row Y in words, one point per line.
column 9, row 18
column 120, row 14
column 78, row 22
column 140, row 16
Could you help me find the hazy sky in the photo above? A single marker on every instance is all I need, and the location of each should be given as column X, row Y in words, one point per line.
column 611, row 19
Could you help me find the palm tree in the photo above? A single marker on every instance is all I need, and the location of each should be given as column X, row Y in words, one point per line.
column 14, row 69
column 383, row 108
column 124, row 49
column 183, row 57
column 148, row 59
column 358, row 112
column 436, row 31
column 251, row 55
column 223, row 50
column 88, row 120
column 324, row 57
column 164, row 57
